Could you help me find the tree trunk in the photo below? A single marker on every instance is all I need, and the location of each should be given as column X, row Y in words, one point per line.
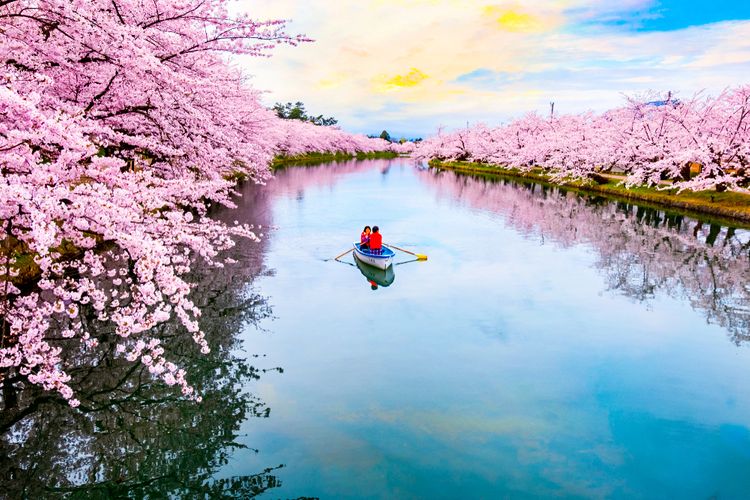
column 10, row 394
column 685, row 172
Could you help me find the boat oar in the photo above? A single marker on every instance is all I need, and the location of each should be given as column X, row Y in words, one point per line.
column 338, row 257
column 419, row 256
column 405, row 262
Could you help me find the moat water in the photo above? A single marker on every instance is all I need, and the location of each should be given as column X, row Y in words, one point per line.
column 552, row 345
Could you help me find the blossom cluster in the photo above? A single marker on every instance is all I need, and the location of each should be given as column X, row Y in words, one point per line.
column 295, row 138
column 120, row 124
column 696, row 144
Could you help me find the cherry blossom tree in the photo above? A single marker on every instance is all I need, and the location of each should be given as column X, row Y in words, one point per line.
column 295, row 138
column 651, row 139
column 121, row 123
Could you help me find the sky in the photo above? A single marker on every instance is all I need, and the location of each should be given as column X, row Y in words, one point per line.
column 414, row 66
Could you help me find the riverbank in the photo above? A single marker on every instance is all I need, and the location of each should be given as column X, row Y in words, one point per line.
column 315, row 158
column 26, row 271
column 727, row 207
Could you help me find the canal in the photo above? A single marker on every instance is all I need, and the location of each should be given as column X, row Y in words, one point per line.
column 553, row 344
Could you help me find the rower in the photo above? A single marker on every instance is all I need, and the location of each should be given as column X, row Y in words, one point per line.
column 376, row 240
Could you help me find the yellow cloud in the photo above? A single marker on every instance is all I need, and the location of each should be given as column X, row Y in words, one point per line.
column 413, row 78
column 333, row 80
column 517, row 21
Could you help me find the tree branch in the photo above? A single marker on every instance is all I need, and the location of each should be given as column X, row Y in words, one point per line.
column 102, row 93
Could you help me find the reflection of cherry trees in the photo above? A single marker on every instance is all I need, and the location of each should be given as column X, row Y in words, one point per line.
column 132, row 435
column 641, row 251
column 297, row 179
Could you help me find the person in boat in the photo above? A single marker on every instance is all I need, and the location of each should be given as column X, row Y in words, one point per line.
column 376, row 240
column 364, row 238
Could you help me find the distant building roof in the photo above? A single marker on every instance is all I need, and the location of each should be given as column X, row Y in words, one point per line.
column 670, row 102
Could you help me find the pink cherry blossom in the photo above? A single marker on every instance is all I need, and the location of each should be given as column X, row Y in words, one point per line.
column 650, row 140
column 120, row 125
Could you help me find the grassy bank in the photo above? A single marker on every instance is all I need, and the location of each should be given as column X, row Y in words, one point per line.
column 728, row 207
column 315, row 158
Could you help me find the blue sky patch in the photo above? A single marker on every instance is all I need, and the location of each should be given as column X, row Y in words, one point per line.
column 486, row 78
column 669, row 15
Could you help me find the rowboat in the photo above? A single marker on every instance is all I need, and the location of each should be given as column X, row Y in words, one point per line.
column 382, row 259
column 374, row 275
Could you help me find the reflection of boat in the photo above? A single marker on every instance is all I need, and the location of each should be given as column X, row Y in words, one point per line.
column 382, row 277
column 382, row 260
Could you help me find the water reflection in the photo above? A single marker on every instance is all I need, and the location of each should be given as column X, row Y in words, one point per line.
column 298, row 178
column 641, row 250
column 473, row 377
column 375, row 277
column 133, row 436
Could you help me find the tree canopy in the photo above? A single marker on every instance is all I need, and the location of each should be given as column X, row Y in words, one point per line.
column 296, row 111
column 649, row 140
column 122, row 123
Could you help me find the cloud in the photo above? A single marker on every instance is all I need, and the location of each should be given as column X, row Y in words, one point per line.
column 515, row 19
column 411, row 79
column 416, row 64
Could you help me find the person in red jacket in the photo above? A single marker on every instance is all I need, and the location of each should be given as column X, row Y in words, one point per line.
column 376, row 240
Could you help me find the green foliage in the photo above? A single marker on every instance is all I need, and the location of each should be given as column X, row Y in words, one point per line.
column 317, row 158
column 385, row 135
column 296, row 111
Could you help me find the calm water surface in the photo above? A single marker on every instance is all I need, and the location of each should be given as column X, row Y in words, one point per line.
column 552, row 345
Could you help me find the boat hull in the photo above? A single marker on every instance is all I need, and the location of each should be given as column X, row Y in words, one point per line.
column 382, row 261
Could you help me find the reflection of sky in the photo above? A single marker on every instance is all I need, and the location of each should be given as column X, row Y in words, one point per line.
column 501, row 365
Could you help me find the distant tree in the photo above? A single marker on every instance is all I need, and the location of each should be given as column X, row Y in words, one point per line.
column 296, row 111
column 320, row 120
column 385, row 135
